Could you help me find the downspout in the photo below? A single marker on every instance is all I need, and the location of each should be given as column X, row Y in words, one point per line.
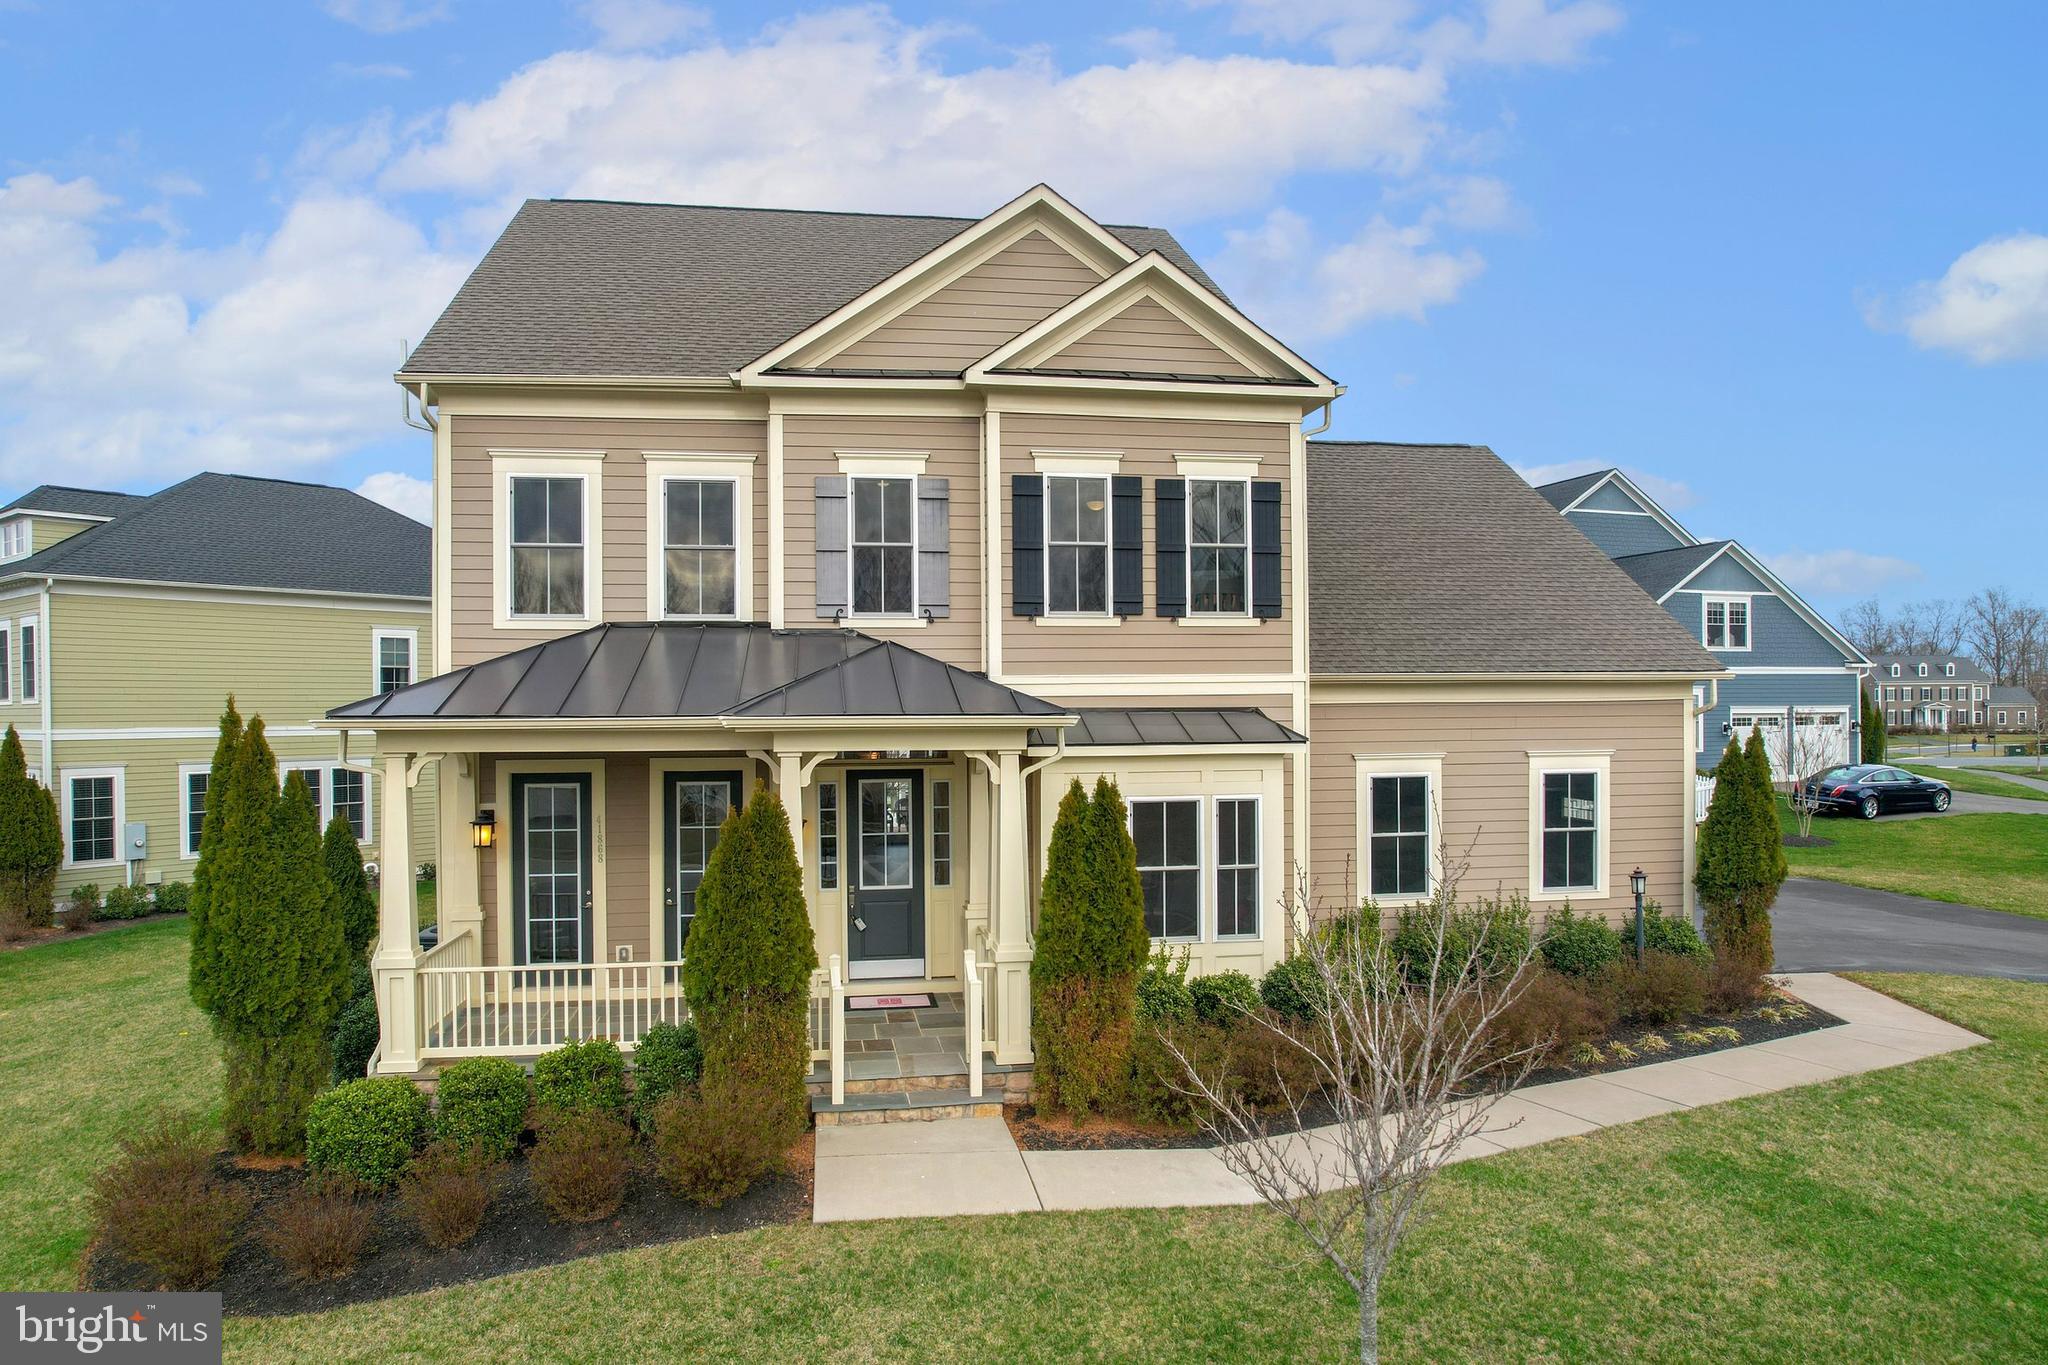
column 425, row 421
column 1328, row 416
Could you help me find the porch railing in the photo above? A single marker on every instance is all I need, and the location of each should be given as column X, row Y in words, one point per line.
column 471, row 1010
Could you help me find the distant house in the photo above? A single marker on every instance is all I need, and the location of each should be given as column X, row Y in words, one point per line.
column 1933, row 692
column 2012, row 708
column 126, row 620
column 1795, row 674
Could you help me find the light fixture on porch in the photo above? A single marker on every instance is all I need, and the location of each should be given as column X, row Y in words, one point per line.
column 484, row 829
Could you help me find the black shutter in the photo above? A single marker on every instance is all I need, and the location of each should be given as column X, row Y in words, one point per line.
column 1170, row 504
column 1127, row 544
column 1027, row 545
column 1266, row 548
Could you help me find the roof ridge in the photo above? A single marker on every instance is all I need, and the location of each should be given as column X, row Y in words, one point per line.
column 1399, row 445
column 822, row 213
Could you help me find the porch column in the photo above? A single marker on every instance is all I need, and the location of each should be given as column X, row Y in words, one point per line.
column 980, row 850
column 396, row 961
column 789, row 785
column 459, row 899
column 1012, row 915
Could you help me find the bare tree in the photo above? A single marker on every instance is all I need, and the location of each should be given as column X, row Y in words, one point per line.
column 1869, row 629
column 1404, row 1074
column 1991, row 629
column 1804, row 750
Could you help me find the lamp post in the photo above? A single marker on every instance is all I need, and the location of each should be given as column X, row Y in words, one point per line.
column 1636, row 883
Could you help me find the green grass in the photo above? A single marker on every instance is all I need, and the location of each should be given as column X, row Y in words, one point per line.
column 1976, row 780
column 424, row 897
column 2017, row 769
column 1997, row 861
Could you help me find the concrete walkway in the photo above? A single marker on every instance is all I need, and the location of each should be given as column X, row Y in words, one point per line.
column 972, row 1166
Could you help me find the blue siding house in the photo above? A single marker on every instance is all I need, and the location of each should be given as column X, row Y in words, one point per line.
column 1796, row 677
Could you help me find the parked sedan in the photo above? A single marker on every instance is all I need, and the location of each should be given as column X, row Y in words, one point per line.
column 1871, row 789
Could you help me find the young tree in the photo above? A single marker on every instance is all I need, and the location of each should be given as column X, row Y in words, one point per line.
column 1806, row 751
column 357, row 908
column 1091, row 947
column 1874, row 734
column 31, row 840
column 205, row 961
column 1407, row 1071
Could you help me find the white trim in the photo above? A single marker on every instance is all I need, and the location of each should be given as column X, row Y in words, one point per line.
column 65, row 777
column 1543, row 763
column 1777, row 587
column 1208, row 618
column 599, row 948
column 7, row 662
column 586, row 467
column 1215, row 802
column 185, row 774
column 1205, row 919
column 882, row 464
column 667, row 466
column 913, row 618
column 1211, row 620
column 1107, row 616
column 1727, row 600
column 883, row 968
column 1091, row 619
column 378, row 635
column 1640, row 498
column 1365, row 767
column 1104, row 463
column 1203, row 465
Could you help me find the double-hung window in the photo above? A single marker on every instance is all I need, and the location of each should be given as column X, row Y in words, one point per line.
column 548, row 545
column 92, row 817
column 192, row 792
column 1397, row 843
column 1168, row 834
column 29, row 663
column 15, row 536
column 1237, row 867
column 6, row 664
column 700, row 549
column 1219, row 547
column 336, row 790
column 1727, row 623
column 1076, row 545
column 1570, row 831
column 884, row 546
column 394, row 659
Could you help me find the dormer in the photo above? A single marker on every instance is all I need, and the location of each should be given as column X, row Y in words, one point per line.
column 1895, row 670
column 1922, row 670
column 1949, row 669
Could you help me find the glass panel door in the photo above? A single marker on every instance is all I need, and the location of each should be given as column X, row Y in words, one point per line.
column 553, row 880
column 698, row 804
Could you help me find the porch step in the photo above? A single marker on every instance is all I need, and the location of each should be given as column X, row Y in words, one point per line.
column 907, row 1106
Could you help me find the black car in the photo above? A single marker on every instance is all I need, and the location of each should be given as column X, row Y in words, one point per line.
column 1871, row 789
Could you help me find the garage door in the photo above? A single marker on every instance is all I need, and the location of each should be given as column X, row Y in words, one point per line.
column 1821, row 739
column 1772, row 723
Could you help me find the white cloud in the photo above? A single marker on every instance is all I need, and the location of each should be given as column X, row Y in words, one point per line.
column 373, row 71
column 1495, row 32
column 1991, row 305
column 1840, row 573
column 629, row 24
column 1297, row 285
column 402, row 493
column 1673, row 495
column 388, row 16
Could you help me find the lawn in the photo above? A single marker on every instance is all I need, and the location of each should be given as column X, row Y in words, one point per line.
column 1997, row 861
column 1978, row 781
column 2032, row 770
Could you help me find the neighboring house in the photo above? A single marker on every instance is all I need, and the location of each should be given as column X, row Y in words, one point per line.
column 914, row 521
column 1795, row 677
column 2012, row 708
column 126, row 629
column 1931, row 692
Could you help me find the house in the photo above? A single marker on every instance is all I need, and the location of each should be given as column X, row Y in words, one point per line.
column 1933, row 692
column 2013, row 708
column 914, row 521
column 126, row 620
column 1795, row 677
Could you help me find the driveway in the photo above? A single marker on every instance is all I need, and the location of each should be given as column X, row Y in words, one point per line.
column 1827, row 926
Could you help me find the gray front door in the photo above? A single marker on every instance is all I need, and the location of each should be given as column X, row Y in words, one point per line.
column 885, row 910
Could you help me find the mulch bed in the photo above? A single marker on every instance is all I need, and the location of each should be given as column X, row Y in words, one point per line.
column 1807, row 841
column 1057, row 1133
column 517, row 1234
column 37, row 937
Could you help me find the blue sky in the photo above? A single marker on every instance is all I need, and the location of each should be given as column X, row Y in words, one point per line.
column 1788, row 264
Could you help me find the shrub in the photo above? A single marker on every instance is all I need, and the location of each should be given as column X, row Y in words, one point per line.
column 1224, row 998
column 367, row 1129
column 31, row 843
column 1741, row 854
column 1162, row 994
column 581, row 1164
column 711, row 1144
column 1294, row 989
column 173, row 898
column 342, row 858
column 447, row 1191
column 355, row 1037
column 1266, row 1066
column 86, row 900
column 271, row 1085
column 668, row 1058
column 362, row 984
column 1669, row 934
column 78, row 915
column 160, row 1206
column 1578, row 945
column 481, row 1106
column 123, row 902
column 1498, row 926
column 319, row 1230
column 13, row 924
column 1554, row 1017
column 1664, row 990
column 1157, row 1092
column 581, row 1078
column 1735, row 981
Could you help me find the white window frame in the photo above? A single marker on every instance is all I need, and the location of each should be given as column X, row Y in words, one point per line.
column 1108, row 612
column 1948, row 670
column 2001, row 718
column 186, row 771
column 65, row 777
column 1257, row 865
column 378, row 635
column 666, row 466
column 1895, row 670
column 327, row 767
column 1727, row 601
column 853, row 613
column 1544, row 763
column 1921, row 670
column 1205, row 922
column 1424, row 765
column 17, row 538
column 31, row 671
column 6, row 662
column 1891, row 718
column 1188, row 541
column 586, row 465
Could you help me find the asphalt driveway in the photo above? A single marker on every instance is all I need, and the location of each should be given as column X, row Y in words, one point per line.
column 1827, row 926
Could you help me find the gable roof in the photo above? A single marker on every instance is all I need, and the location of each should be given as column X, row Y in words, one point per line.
column 65, row 501
column 1659, row 565
column 579, row 288
column 1661, row 571
column 1566, row 495
column 650, row 670
column 2011, row 696
column 1445, row 561
column 1967, row 669
column 1565, row 492
column 234, row 530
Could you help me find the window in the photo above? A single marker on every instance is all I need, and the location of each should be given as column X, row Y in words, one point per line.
column 1237, row 867
column 92, row 817
column 828, row 836
column 942, row 833
column 1927, row 694
column 1895, row 670
column 547, row 546
column 1948, row 670
column 700, row 548
column 1920, row 669
column 1727, row 623
column 394, row 658
column 2001, row 717
column 1219, row 546
column 29, row 661
column 1397, row 850
column 192, row 818
column 884, row 546
column 6, row 666
column 337, row 790
column 1076, row 545
column 1169, row 838
column 1571, row 831
column 1980, row 694
column 1944, row 694
column 15, row 538
column 1891, row 718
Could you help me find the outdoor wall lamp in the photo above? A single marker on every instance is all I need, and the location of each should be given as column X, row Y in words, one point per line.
column 483, row 830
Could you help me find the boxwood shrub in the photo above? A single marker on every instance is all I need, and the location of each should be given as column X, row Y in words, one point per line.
column 353, row 1038
column 1668, row 934
column 481, row 1105
column 668, row 1058
column 1579, row 945
column 582, row 1078
column 367, row 1129
column 174, row 898
column 1163, row 995
column 1293, row 989
column 1223, row 998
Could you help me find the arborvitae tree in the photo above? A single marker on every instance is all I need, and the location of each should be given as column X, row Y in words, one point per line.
column 31, row 840
column 747, row 969
column 1739, row 853
column 1764, row 791
column 205, row 956
column 353, row 902
column 1874, row 736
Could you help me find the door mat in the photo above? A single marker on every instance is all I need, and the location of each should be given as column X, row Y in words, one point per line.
column 888, row 1002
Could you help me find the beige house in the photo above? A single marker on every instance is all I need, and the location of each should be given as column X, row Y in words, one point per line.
column 126, row 620
column 913, row 520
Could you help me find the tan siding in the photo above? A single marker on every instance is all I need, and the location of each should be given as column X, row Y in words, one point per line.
column 628, row 902
column 1485, row 800
column 624, row 513
column 810, row 447
column 959, row 324
column 1146, row 337
column 1149, row 643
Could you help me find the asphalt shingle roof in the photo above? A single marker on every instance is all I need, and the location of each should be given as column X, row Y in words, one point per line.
column 1561, row 493
column 592, row 287
column 1440, row 559
column 233, row 530
column 82, row 502
column 1660, row 571
column 1967, row 670
column 2011, row 696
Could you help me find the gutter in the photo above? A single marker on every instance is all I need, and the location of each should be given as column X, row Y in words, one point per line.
column 43, row 642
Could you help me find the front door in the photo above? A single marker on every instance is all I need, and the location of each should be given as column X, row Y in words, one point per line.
column 693, row 808
column 551, row 869
column 885, row 910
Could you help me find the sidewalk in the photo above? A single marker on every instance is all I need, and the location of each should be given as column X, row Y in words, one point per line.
column 970, row 1166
